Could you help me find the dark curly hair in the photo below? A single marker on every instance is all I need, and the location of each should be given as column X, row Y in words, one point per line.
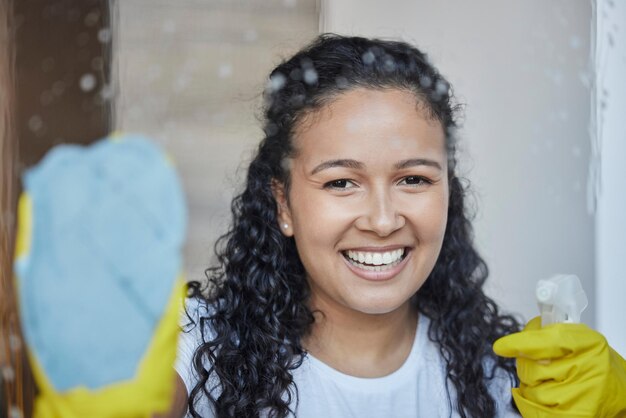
column 258, row 294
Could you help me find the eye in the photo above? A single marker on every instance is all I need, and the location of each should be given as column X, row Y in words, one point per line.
column 415, row 181
column 340, row 184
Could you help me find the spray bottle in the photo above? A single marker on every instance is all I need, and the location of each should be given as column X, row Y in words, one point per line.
column 561, row 299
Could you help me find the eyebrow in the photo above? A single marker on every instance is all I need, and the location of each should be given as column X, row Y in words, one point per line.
column 357, row 165
column 412, row 162
column 347, row 163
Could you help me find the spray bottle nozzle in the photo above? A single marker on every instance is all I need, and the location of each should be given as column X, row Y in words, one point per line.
column 561, row 299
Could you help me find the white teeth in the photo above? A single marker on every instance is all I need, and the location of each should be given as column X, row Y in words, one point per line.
column 376, row 259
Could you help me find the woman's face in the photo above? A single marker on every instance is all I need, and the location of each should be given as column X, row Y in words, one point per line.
column 368, row 199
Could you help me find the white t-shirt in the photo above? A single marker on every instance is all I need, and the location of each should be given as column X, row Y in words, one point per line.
column 416, row 389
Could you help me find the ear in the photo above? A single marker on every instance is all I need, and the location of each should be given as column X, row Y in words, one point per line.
column 285, row 221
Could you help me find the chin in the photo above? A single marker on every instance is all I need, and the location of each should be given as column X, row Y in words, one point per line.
column 377, row 306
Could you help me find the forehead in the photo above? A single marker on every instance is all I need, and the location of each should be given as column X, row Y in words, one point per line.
column 366, row 124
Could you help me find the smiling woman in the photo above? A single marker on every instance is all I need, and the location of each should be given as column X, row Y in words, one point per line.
column 366, row 205
column 348, row 284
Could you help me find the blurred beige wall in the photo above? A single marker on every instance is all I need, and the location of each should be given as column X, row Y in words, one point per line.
column 522, row 68
column 191, row 75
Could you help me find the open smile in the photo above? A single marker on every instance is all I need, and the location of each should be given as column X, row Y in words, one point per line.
column 376, row 265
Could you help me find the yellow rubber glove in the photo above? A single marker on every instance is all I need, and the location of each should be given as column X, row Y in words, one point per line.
column 565, row 370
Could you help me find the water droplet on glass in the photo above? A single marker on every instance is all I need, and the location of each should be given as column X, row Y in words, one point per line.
column 87, row 82
column 310, row 76
column 8, row 374
column 46, row 98
column 15, row 412
column 276, row 82
column 225, row 70
column 389, row 64
column 441, row 87
column 368, row 58
column 35, row 123
column 106, row 93
column 92, row 18
column 104, row 35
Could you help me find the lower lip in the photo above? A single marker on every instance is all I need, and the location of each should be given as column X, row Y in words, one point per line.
column 378, row 276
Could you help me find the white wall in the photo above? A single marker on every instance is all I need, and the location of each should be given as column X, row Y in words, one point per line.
column 610, row 184
column 522, row 67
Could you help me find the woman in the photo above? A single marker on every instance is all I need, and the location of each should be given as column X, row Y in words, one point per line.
column 348, row 283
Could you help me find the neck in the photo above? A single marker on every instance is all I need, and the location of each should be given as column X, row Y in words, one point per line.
column 361, row 344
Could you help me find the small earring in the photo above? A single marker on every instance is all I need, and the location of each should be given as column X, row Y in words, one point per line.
column 285, row 226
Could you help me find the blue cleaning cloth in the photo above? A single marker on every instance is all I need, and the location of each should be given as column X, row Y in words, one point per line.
column 108, row 222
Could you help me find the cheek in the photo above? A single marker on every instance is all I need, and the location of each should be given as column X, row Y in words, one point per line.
column 430, row 217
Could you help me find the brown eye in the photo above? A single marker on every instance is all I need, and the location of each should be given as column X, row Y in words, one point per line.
column 339, row 184
column 415, row 181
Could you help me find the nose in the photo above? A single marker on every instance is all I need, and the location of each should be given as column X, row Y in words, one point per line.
column 380, row 214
